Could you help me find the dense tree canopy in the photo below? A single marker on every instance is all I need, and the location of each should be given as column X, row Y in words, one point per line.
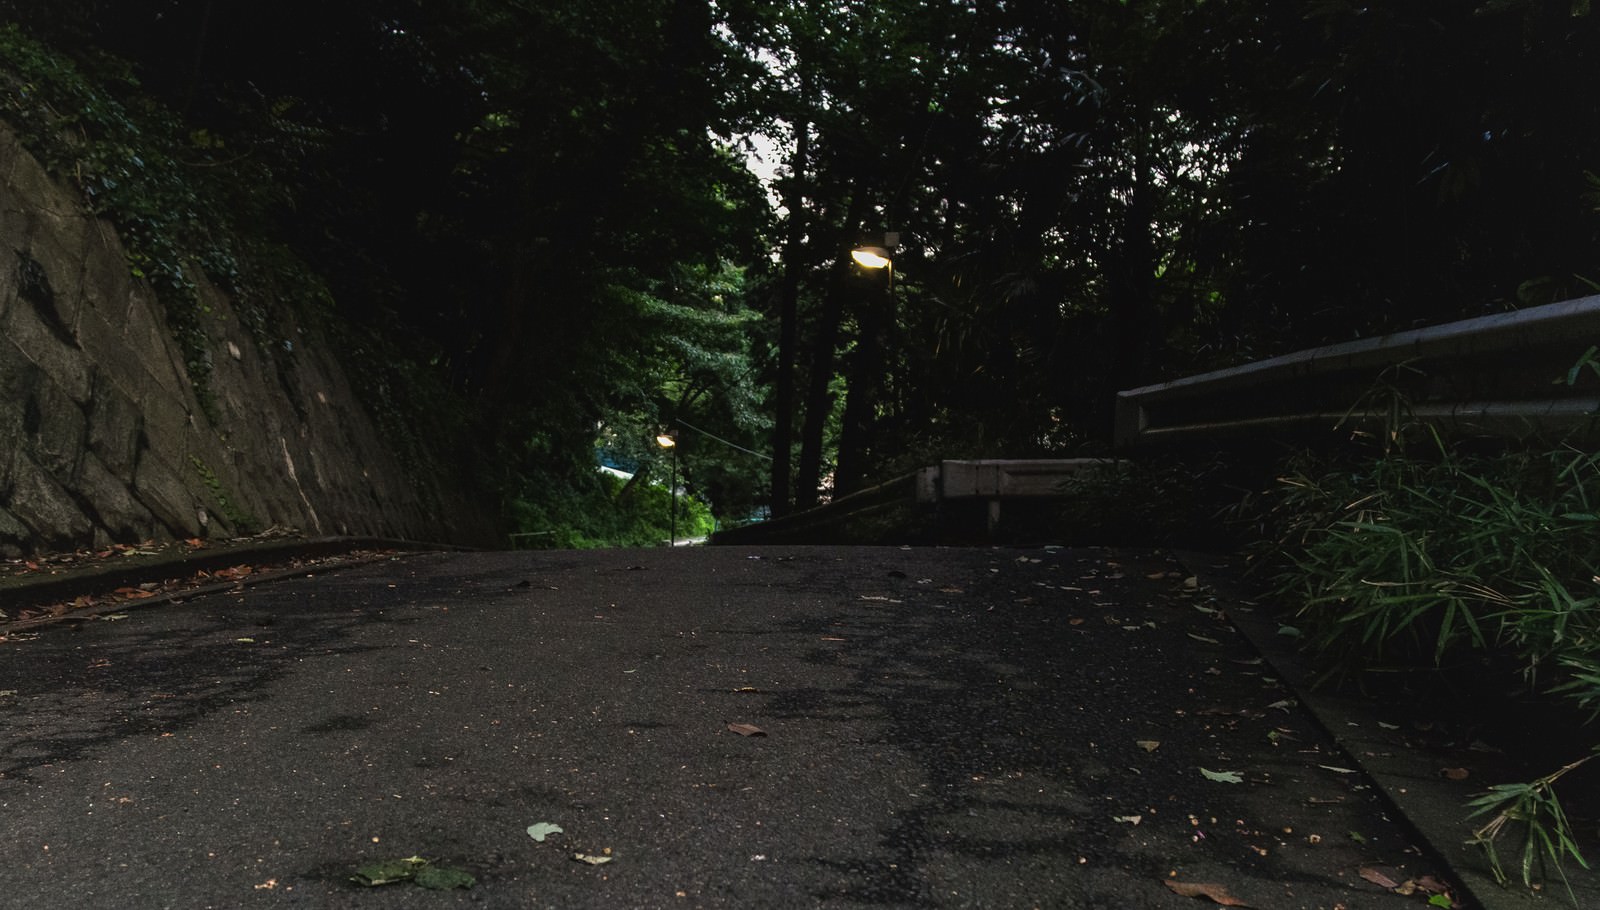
column 547, row 206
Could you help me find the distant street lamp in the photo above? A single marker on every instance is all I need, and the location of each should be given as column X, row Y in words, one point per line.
column 873, row 258
column 669, row 441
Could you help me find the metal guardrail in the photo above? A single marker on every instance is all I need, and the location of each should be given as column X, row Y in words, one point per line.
column 1500, row 375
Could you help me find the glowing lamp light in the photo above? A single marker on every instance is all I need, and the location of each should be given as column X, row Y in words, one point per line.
column 871, row 257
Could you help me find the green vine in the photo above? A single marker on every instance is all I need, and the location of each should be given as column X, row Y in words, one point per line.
column 243, row 522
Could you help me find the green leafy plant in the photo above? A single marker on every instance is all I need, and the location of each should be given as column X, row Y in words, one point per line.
column 1421, row 553
column 242, row 522
column 1546, row 831
column 1404, row 557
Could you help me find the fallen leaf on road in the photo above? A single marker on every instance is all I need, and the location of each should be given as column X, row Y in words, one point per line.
column 1217, row 893
column 1358, row 837
column 1209, row 641
column 413, row 869
column 1223, row 777
column 1130, row 819
column 542, row 830
column 591, row 859
column 1441, row 900
column 1455, row 773
column 747, row 689
column 1337, row 770
column 747, row 730
column 1431, row 885
column 441, row 878
column 1149, row 745
column 833, row 638
column 388, row 872
column 1377, row 878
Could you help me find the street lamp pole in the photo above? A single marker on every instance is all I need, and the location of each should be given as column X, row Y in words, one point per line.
column 669, row 441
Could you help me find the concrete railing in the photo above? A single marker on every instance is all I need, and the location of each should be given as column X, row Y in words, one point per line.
column 1501, row 375
column 914, row 503
column 995, row 481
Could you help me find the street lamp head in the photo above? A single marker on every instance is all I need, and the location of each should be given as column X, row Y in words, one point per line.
column 871, row 257
column 666, row 440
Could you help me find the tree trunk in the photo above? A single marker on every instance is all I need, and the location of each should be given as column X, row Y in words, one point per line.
column 788, row 314
column 863, row 389
column 1132, row 276
column 819, row 398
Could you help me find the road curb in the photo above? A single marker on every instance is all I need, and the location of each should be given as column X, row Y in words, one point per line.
column 68, row 585
column 1434, row 808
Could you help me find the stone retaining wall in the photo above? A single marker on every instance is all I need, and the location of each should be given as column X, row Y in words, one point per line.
column 102, row 438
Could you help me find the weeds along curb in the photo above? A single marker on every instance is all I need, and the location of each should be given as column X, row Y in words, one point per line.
column 1434, row 809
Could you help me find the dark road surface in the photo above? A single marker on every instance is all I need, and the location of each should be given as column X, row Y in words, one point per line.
column 944, row 728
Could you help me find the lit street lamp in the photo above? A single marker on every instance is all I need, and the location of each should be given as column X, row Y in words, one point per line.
column 669, row 441
column 873, row 258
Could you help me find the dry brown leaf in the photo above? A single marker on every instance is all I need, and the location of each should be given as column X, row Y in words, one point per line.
column 1217, row 893
column 1431, row 885
column 1377, row 878
column 1149, row 745
column 747, row 730
column 1455, row 773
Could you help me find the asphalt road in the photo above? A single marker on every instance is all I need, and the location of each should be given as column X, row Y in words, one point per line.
column 941, row 728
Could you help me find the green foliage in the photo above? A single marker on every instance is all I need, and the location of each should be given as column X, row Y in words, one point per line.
column 1402, row 557
column 1149, row 502
column 606, row 512
column 1407, row 558
column 242, row 521
column 1546, row 831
